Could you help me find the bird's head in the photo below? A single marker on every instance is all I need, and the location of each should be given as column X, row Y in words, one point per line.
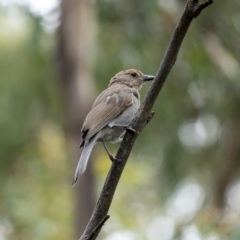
column 132, row 78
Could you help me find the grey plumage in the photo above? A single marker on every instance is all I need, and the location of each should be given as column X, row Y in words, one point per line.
column 111, row 114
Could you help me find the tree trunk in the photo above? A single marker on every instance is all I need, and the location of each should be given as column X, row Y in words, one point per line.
column 229, row 163
column 75, row 53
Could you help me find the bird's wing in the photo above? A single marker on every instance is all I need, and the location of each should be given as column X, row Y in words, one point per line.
column 109, row 104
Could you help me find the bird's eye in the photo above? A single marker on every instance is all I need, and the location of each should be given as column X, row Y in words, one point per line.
column 134, row 74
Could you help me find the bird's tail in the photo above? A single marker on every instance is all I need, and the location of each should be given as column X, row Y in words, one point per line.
column 82, row 163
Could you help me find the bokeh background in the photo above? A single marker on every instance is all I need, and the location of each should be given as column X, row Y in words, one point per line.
column 182, row 179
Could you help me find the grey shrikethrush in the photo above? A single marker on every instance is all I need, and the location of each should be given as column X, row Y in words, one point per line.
column 111, row 114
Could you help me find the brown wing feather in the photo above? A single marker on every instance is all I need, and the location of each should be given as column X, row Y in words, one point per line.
column 109, row 104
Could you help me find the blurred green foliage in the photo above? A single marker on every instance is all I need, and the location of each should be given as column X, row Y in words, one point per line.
column 32, row 141
column 184, row 149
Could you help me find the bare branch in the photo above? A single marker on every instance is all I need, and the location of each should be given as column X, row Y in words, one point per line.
column 192, row 10
column 198, row 7
column 97, row 229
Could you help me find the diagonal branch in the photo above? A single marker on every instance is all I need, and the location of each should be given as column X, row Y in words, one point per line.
column 96, row 229
column 192, row 9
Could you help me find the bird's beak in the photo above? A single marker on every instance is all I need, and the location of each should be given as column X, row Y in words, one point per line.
column 147, row 78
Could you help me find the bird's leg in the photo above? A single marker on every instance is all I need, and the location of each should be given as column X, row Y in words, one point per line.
column 112, row 158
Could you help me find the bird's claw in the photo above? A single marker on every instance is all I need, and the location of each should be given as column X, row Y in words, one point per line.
column 131, row 129
column 113, row 159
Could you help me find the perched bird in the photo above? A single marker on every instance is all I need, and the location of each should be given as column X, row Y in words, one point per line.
column 111, row 114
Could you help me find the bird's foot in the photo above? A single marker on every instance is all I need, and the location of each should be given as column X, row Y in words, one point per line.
column 131, row 129
column 113, row 159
